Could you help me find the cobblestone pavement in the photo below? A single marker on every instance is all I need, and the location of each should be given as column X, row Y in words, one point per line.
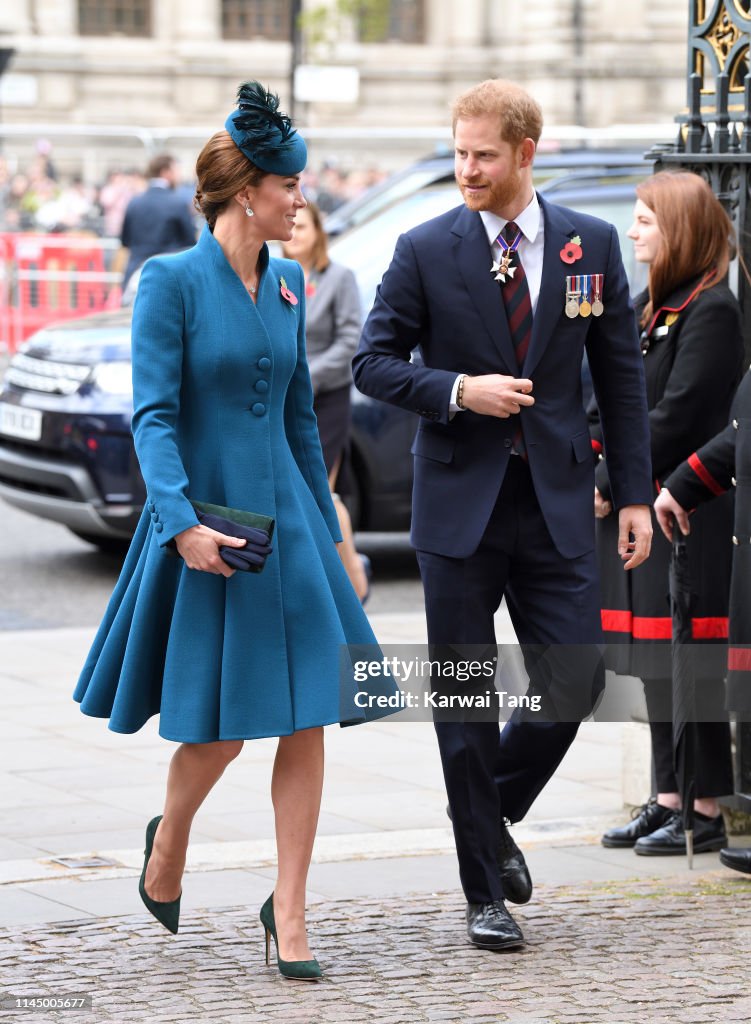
column 653, row 953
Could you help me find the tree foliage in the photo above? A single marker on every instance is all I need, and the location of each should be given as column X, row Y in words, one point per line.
column 327, row 24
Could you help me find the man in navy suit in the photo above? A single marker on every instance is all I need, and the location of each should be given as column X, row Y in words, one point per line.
column 158, row 220
column 502, row 295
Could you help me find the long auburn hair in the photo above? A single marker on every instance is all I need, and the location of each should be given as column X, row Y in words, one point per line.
column 697, row 235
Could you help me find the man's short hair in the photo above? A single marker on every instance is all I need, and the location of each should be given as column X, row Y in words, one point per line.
column 519, row 116
column 159, row 164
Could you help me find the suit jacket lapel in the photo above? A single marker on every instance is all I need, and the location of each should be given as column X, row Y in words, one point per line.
column 558, row 230
column 473, row 258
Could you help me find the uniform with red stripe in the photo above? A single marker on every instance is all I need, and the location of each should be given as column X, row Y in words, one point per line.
column 721, row 465
column 692, row 367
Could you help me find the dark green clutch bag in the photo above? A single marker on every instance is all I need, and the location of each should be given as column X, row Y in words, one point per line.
column 237, row 515
column 255, row 529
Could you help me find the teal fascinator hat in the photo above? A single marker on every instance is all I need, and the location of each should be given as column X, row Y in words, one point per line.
column 265, row 135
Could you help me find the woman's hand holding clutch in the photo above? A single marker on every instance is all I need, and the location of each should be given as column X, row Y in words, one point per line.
column 199, row 548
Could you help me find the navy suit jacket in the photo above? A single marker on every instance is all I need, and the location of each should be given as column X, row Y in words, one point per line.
column 156, row 221
column 439, row 295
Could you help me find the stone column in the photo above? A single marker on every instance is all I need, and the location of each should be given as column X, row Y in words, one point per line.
column 54, row 17
column 199, row 20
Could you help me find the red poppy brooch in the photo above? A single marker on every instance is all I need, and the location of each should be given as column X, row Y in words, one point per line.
column 572, row 250
column 286, row 293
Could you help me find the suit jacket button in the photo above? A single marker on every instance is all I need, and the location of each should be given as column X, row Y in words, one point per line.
column 733, row 481
column 264, row 363
column 258, row 409
column 262, row 385
column 735, row 540
column 158, row 527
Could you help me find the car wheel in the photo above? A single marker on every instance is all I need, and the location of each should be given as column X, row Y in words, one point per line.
column 107, row 545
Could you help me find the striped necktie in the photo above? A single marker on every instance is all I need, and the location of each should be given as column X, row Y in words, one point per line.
column 518, row 305
column 516, row 299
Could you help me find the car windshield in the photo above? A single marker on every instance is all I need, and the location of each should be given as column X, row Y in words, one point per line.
column 368, row 248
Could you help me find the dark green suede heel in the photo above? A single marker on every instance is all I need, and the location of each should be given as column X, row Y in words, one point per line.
column 167, row 913
column 299, row 970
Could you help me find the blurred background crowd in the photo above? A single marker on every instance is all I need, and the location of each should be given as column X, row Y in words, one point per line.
column 35, row 196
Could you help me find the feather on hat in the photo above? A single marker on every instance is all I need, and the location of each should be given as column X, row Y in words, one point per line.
column 265, row 135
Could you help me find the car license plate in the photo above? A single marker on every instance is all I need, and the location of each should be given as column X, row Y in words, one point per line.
column 15, row 421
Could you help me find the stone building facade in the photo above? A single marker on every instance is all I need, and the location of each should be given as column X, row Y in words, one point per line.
column 168, row 70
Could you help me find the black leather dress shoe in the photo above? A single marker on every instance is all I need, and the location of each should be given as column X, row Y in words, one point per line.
column 648, row 819
column 517, row 883
column 512, row 867
column 490, row 926
column 738, row 860
column 709, row 835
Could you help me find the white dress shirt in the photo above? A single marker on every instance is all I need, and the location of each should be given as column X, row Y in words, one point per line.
column 532, row 226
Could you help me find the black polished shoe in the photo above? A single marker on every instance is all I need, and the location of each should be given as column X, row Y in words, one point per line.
column 647, row 819
column 490, row 926
column 709, row 835
column 738, row 860
column 517, row 883
column 512, row 867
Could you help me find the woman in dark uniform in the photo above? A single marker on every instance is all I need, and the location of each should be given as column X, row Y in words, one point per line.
column 693, row 353
column 723, row 463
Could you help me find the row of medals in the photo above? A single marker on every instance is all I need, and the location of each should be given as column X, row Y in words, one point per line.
column 576, row 305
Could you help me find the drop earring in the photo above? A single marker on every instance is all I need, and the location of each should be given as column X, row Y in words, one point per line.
column 248, row 211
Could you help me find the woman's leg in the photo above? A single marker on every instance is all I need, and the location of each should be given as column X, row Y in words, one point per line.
column 193, row 771
column 658, row 693
column 296, row 794
column 351, row 561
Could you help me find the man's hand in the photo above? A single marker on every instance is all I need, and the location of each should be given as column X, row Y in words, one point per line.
column 199, row 547
column 603, row 508
column 495, row 394
column 668, row 511
column 634, row 520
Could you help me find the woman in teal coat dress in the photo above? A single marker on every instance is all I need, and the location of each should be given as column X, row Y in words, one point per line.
column 223, row 414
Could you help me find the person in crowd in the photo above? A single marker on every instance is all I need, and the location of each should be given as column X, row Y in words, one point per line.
column 502, row 499
column 114, row 195
column 156, row 221
column 333, row 321
column 720, row 466
column 223, row 413
column 693, row 352
column 71, row 209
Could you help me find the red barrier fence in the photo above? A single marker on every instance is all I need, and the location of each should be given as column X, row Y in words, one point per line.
column 45, row 278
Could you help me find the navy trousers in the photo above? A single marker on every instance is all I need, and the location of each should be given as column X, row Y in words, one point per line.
column 554, row 605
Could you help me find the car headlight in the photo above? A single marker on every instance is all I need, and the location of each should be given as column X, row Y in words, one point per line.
column 114, row 378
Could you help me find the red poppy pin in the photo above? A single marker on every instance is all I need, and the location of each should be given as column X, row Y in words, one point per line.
column 572, row 250
column 310, row 289
column 286, row 293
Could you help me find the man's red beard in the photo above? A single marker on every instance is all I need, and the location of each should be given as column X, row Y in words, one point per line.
column 495, row 197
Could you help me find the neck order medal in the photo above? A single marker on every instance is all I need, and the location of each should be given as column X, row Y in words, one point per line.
column 502, row 268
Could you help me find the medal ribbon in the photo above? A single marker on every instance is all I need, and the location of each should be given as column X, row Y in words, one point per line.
column 506, row 248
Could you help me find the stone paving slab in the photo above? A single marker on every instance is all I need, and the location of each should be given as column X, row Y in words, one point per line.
column 657, row 953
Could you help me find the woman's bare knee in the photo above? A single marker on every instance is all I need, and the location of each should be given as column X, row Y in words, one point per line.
column 219, row 753
column 304, row 739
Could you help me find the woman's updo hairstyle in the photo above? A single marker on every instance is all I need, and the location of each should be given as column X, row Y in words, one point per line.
column 222, row 171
